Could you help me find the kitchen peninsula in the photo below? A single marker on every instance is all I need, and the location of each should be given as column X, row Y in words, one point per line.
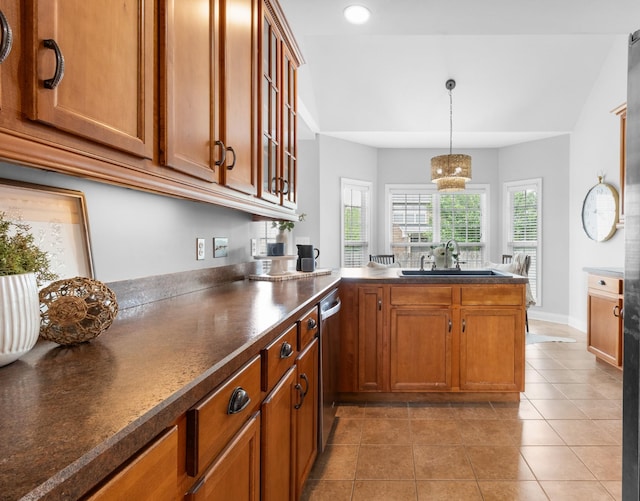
column 447, row 338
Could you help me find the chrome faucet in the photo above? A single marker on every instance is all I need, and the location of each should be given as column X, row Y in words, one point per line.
column 422, row 262
column 456, row 255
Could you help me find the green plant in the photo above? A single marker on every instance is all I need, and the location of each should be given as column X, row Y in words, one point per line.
column 287, row 225
column 19, row 252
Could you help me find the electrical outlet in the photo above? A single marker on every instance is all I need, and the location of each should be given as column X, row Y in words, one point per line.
column 254, row 247
column 200, row 249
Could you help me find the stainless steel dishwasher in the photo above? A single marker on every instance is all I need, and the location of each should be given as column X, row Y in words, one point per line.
column 329, row 337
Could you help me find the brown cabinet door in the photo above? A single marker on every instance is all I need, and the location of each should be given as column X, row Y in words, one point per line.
column 289, row 166
column 235, row 473
column 420, row 349
column 307, row 413
column 92, row 70
column 604, row 327
column 277, row 441
column 10, row 45
column 371, row 345
column 240, row 93
column 492, row 349
column 151, row 475
column 189, row 114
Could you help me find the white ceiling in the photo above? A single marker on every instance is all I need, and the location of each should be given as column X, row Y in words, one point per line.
column 523, row 67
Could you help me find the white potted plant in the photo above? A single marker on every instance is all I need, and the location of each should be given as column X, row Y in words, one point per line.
column 23, row 266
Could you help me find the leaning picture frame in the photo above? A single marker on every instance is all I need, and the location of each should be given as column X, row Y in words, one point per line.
column 58, row 221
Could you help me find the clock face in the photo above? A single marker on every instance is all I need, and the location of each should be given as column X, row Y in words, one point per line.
column 600, row 212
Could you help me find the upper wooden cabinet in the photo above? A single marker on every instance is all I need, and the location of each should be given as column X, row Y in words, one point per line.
column 90, row 70
column 279, row 62
column 208, row 95
column 160, row 96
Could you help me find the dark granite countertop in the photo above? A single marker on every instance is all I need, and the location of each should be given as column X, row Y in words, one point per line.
column 71, row 415
column 606, row 271
column 392, row 275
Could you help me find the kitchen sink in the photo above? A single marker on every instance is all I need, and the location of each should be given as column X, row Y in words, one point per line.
column 447, row 272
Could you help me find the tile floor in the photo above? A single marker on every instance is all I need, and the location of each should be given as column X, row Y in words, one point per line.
column 562, row 441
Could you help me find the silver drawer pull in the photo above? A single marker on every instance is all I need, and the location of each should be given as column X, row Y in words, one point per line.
column 286, row 350
column 602, row 282
column 238, row 401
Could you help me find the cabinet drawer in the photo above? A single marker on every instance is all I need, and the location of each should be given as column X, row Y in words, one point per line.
column 422, row 295
column 215, row 419
column 488, row 295
column 278, row 357
column 606, row 284
column 308, row 329
column 152, row 474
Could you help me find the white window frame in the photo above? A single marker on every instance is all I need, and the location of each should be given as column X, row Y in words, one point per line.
column 430, row 188
column 364, row 186
column 507, row 244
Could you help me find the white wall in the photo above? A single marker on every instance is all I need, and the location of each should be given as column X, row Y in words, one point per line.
column 136, row 234
column 413, row 166
column 337, row 159
column 547, row 159
column 595, row 149
column 308, row 231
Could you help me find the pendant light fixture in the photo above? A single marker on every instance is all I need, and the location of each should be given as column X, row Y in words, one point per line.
column 451, row 172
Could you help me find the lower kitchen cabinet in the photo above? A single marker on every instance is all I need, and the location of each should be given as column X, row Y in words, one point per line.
column 235, row 473
column 308, row 386
column 420, row 349
column 428, row 338
column 491, row 350
column 150, row 475
column 605, row 300
column 278, row 435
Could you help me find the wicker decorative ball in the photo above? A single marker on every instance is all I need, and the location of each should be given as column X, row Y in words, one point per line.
column 75, row 310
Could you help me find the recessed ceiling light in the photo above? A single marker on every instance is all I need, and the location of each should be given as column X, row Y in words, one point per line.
column 357, row 14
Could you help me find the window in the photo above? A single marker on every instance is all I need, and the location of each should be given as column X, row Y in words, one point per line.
column 421, row 218
column 522, row 224
column 356, row 222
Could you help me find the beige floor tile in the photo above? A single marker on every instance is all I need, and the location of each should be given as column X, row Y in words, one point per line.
column 465, row 490
column 385, row 462
column 558, row 409
column 605, row 462
column 485, row 432
column 611, row 390
column 384, row 490
column 544, row 363
column 393, row 411
column 600, row 409
column 550, row 462
column 569, row 491
column 581, row 432
column 498, row 463
column 346, row 431
column 614, row 488
column 562, row 375
column 473, row 410
column 542, row 391
column 613, row 427
column 350, row 411
column 435, row 432
column 579, row 364
column 430, row 411
column 337, row 462
column 385, row 431
column 516, row 410
column 534, row 432
column 533, row 376
column 579, row 391
column 511, row 490
column 327, row 490
column 436, row 462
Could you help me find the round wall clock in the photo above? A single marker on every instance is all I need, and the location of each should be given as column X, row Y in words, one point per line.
column 600, row 211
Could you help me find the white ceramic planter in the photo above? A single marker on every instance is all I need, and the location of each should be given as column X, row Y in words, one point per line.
column 19, row 316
